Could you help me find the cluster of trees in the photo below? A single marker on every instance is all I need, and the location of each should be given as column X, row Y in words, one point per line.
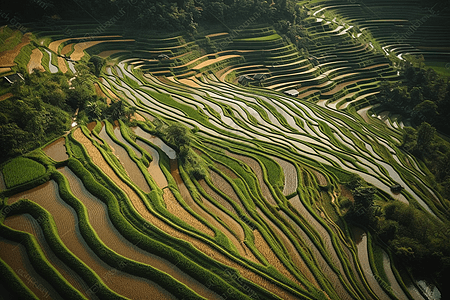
column 39, row 110
column 419, row 241
column 422, row 243
column 424, row 143
column 424, row 96
column 42, row 107
column 180, row 138
column 171, row 15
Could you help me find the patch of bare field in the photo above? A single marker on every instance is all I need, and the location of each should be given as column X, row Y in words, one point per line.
column 300, row 210
column 223, row 185
column 345, row 192
column 264, row 248
column 132, row 170
column 176, row 209
column 4, row 69
column 57, row 150
column 100, row 93
column 321, row 263
column 7, row 57
column 79, row 48
column 54, row 46
column 107, row 53
column 5, row 96
column 154, row 169
column 255, row 166
column 290, row 175
column 213, row 61
column 320, row 178
column 216, row 196
column 189, row 82
column 35, row 61
column 62, row 64
column 364, row 113
column 16, row 257
column 66, row 49
column 293, row 252
column 100, row 221
column 138, row 117
column 27, row 223
column 138, row 204
column 188, row 198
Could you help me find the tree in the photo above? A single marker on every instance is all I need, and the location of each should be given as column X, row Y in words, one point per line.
column 178, row 136
column 425, row 135
column 427, row 111
column 96, row 64
column 409, row 138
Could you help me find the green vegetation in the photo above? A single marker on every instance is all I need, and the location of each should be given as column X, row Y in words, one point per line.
column 266, row 188
column 21, row 170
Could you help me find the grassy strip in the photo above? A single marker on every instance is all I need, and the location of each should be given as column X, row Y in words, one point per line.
column 21, row 170
column 50, row 232
column 14, row 284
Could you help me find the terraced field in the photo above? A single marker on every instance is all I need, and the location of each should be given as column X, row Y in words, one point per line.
column 117, row 215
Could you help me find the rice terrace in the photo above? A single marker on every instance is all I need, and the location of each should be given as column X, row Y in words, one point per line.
column 225, row 149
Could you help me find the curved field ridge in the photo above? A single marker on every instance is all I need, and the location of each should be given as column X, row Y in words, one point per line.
column 263, row 219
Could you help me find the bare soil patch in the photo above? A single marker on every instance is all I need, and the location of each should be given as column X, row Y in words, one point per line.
column 28, row 224
column 5, row 96
column 290, row 175
column 35, row 61
column 320, row 178
column 7, row 57
column 57, row 150
column 66, row 49
column 62, row 64
column 79, row 48
column 105, row 54
column 16, row 257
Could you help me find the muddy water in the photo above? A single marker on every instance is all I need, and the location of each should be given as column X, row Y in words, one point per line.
column 156, row 141
column 181, row 212
column 360, row 239
column 100, row 221
column 66, row 221
column 130, row 166
column 28, row 224
column 398, row 292
column 16, row 257
column 57, row 150
column 290, row 175
column 154, row 169
column 119, row 136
